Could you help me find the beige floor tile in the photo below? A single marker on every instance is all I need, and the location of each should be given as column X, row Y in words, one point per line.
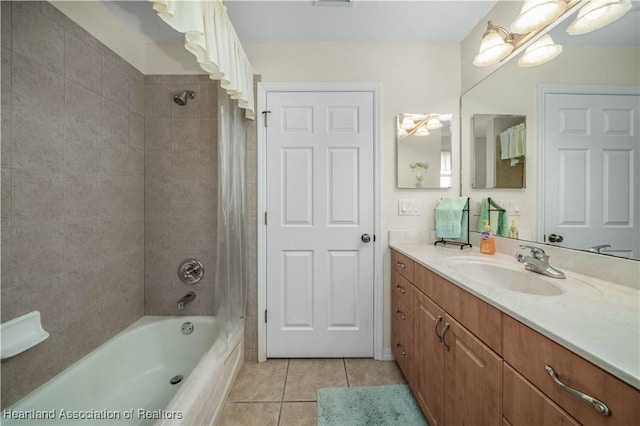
column 369, row 372
column 250, row 414
column 306, row 376
column 298, row 414
column 260, row 381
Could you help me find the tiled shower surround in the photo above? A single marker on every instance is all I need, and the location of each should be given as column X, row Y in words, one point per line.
column 72, row 190
column 107, row 185
column 181, row 185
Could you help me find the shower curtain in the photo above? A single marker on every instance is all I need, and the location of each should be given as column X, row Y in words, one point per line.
column 230, row 275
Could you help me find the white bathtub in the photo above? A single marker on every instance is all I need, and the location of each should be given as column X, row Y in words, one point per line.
column 126, row 381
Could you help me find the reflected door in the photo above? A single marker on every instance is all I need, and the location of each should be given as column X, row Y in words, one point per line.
column 320, row 206
column 592, row 188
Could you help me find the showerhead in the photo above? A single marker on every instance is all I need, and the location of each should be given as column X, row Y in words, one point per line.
column 181, row 99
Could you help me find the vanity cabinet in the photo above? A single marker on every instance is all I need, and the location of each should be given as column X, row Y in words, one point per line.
column 469, row 363
column 529, row 352
column 455, row 377
column 459, row 378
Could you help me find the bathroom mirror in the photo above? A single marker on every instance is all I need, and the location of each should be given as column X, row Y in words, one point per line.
column 499, row 142
column 423, row 151
column 603, row 61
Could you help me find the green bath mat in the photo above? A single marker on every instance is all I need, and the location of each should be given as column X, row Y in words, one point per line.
column 375, row 405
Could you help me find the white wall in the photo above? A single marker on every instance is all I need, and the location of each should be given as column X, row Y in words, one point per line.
column 419, row 78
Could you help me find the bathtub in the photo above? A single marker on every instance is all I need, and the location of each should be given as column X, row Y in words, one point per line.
column 134, row 378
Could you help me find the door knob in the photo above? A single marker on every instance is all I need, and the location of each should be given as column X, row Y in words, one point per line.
column 555, row 238
column 365, row 238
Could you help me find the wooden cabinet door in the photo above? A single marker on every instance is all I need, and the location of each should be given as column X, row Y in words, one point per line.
column 473, row 379
column 429, row 358
column 523, row 404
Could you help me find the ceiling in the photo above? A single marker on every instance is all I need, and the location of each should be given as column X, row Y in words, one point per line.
column 326, row 21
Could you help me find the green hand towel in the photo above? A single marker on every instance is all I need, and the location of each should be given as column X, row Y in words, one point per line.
column 503, row 220
column 451, row 218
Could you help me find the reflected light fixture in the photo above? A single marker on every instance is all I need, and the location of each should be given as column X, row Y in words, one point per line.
column 419, row 124
column 541, row 51
column 495, row 46
column 422, row 131
column 597, row 14
column 536, row 14
column 407, row 123
column 433, row 123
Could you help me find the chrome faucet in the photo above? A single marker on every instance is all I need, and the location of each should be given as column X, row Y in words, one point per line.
column 538, row 262
column 187, row 298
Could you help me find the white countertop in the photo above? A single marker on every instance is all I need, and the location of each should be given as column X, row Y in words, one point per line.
column 596, row 319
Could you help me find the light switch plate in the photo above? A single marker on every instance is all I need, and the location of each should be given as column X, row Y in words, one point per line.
column 409, row 207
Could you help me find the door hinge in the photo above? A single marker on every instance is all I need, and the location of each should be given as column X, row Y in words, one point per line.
column 265, row 117
column 265, row 316
column 265, row 218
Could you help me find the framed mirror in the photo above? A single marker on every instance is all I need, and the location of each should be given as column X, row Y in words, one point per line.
column 423, row 151
column 576, row 196
column 499, row 148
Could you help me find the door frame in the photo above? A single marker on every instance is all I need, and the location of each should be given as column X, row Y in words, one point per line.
column 564, row 89
column 378, row 308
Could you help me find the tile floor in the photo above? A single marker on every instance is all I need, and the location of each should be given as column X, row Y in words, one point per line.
column 282, row 392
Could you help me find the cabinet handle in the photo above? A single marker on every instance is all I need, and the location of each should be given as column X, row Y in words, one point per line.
column 402, row 290
column 436, row 327
column 401, row 349
column 400, row 314
column 400, row 264
column 600, row 406
column 444, row 330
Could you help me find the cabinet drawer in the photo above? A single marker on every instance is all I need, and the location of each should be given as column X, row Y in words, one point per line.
column 523, row 404
column 402, row 348
column 482, row 319
column 529, row 351
column 402, row 265
column 402, row 317
column 403, row 289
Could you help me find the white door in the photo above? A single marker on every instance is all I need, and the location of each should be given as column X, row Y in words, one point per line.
column 320, row 206
column 592, row 190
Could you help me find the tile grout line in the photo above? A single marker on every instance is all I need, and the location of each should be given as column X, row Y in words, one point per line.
column 346, row 373
column 284, row 388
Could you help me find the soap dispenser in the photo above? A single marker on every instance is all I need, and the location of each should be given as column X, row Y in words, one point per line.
column 487, row 242
column 513, row 231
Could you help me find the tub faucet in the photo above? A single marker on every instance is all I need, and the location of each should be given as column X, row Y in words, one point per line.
column 538, row 262
column 189, row 297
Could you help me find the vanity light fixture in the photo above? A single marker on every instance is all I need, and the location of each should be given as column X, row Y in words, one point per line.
column 497, row 44
column 536, row 14
column 597, row 14
column 541, row 51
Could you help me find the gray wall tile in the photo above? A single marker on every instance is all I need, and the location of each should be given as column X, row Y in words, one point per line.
column 157, row 133
column 81, row 64
column 37, row 198
column 115, row 82
column 115, row 123
column 37, row 37
column 6, row 24
column 72, row 191
column 180, row 220
column 136, row 130
column 6, row 101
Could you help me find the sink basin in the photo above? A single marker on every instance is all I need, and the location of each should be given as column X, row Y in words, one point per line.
column 507, row 277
